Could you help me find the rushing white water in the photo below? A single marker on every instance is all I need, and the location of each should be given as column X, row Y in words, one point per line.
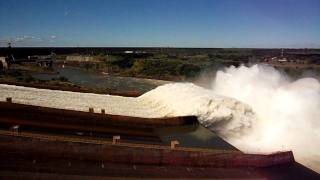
column 224, row 115
column 285, row 114
column 288, row 111
column 280, row 114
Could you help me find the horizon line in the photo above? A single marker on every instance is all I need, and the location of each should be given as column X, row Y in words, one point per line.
column 160, row 47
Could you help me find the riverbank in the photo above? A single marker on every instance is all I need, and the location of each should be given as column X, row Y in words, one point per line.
column 77, row 80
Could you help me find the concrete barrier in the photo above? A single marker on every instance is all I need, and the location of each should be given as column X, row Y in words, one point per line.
column 130, row 154
column 173, row 144
column 115, row 139
column 43, row 117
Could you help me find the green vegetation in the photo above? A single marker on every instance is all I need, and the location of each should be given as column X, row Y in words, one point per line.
column 165, row 68
column 167, row 64
column 171, row 64
column 155, row 68
column 176, row 64
column 17, row 75
column 161, row 66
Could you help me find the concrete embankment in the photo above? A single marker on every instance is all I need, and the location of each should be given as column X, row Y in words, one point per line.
column 28, row 115
column 37, row 147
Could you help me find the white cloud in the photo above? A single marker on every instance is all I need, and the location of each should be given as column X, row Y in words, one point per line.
column 26, row 39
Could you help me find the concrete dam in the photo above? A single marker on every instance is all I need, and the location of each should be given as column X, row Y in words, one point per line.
column 118, row 116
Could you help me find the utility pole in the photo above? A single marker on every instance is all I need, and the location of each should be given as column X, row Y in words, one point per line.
column 9, row 51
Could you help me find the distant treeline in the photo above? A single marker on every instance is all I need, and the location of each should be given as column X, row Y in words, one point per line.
column 29, row 51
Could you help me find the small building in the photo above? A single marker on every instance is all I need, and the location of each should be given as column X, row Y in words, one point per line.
column 3, row 63
column 79, row 58
column 128, row 52
column 282, row 60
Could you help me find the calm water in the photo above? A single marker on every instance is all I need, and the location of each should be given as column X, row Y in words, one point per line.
column 96, row 80
column 193, row 136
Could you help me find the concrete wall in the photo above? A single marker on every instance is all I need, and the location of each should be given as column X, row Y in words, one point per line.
column 40, row 148
column 12, row 113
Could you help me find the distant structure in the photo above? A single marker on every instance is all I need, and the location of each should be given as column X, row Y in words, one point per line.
column 4, row 60
column 128, row 52
column 10, row 56
column 276, row 59
column 79, row 58
column 41, row 60
column 134, row 52
column 3, row 63
column 282, row 58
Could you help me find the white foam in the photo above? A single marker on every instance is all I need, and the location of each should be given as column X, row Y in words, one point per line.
column 222, row 114
column 288, row 111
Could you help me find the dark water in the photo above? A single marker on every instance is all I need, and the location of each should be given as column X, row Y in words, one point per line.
column 96, row 80
column 193, row 136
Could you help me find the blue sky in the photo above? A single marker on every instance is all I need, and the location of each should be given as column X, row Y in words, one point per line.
column 161, row 23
